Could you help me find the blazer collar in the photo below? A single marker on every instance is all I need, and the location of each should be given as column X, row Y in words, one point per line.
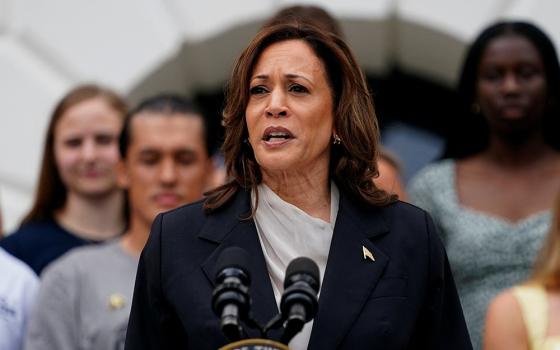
column 349, row 277
column 229, row 228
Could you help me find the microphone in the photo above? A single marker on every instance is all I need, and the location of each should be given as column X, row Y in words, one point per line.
column 299, row 300
column 230, row 299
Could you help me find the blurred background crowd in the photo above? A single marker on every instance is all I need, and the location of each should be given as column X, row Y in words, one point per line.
column 95, row 94
column 410, row 50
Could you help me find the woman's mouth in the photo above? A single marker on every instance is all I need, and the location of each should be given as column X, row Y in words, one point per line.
column 167, row 199
column 276, row 135
column 92, row 173
column 513, row 110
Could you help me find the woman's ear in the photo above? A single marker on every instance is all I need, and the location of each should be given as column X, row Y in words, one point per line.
column 334, row 132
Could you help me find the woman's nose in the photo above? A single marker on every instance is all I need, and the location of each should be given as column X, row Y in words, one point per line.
column 511, row 83
column 277, row 105
column 89, row 150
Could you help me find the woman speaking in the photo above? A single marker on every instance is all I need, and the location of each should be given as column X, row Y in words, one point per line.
column 301, row 139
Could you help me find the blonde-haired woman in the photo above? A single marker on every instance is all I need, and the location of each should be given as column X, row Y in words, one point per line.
column 527, row 316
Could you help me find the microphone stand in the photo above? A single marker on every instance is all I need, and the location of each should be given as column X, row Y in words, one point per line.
column 259, row 343
column 231, row 300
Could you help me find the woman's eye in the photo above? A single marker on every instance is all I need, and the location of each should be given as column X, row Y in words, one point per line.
column 491, row 75
column 73, row 142
column 527, row 72
column 257, row 90
column 298, row 88
column 104, row 139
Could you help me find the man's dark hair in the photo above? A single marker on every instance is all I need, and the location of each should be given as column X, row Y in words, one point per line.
column 165, row 104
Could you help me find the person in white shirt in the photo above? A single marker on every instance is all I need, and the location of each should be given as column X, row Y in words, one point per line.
column 18, row 288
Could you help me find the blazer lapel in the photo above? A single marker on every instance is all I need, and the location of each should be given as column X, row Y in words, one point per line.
column 349, row 277
column 228, row 229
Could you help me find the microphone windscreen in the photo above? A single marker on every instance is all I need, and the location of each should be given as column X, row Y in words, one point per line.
column 302, row 265
column 235, row 257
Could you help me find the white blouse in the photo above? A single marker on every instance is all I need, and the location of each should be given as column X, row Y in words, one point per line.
column 287, row 232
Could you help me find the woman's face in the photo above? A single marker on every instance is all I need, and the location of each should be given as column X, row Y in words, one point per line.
column 85, row 147
column 290, row 110
column 511, row 84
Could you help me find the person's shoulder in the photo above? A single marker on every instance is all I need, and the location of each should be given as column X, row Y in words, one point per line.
column 504, row 322
column 182, row 221
column 31, row 232
column 190, row 209
column 37, row 227
column 433, row 172
column 82, row 257
column 192, row 220
column 400, row 210
column 75, row 262
column 433, row 186
column 14, row 270
column 90, row 252
column 192, row 213
column 407, row 222
column 504, row 301
column 27, row 241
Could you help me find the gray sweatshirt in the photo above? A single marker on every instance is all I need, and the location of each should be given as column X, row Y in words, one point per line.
column 84, row 300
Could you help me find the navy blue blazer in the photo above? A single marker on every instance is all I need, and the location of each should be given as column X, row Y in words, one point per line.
column 405, row 299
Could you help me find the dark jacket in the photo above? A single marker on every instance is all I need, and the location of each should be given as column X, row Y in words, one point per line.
column 405, row 299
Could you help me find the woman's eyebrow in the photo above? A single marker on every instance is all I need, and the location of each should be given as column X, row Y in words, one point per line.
column 288, row 75
column 294, row 76
column 260, row 77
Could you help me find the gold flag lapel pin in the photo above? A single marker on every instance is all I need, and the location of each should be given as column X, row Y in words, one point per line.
column 367, row 254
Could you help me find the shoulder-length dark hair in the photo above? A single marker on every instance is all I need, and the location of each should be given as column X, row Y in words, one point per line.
column 51, row 192
column 470, row 133
column 352, row 163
